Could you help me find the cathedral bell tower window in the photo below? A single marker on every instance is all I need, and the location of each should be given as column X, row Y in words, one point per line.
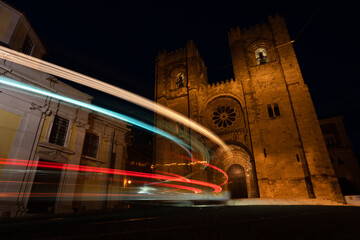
column 180, row 80
column 270, row 111
column 261, row 56
column 276, row 110
column 273, row 110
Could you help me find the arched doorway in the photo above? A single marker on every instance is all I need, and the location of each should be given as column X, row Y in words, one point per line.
column 237, row 181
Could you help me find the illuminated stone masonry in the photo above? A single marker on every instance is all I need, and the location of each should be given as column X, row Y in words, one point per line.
column 265, row 114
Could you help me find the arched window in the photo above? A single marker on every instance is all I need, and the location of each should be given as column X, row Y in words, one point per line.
column 261, row 56
column 180, row 77
column 270, row 110
column 276, row 109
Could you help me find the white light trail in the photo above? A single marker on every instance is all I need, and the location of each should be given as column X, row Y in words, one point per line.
column 73, row 76
column 10, row 82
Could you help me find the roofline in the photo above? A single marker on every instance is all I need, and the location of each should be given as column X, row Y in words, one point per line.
column 27, row 20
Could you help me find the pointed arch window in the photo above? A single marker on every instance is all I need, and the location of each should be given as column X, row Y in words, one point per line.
column 261, row 56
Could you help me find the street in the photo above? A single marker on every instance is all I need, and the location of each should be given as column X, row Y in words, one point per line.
column 199, row 222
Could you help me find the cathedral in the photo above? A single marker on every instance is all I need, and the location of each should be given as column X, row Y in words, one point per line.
column 265, row 115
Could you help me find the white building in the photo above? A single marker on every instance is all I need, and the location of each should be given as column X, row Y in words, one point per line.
column 35, row 128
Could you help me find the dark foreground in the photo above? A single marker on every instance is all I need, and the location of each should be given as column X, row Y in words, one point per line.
column 219, row 222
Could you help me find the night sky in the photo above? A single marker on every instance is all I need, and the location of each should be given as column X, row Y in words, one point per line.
column 117, row 42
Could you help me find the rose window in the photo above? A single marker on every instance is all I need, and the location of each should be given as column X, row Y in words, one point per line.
column 224, row 116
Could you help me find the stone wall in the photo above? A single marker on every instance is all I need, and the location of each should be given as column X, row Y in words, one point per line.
column 266, row 110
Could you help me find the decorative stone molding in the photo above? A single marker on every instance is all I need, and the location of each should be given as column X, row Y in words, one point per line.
column 82, row 125
column 54, row 152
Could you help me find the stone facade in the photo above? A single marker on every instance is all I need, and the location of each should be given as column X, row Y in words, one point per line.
column 265, row 114
column 30, row 140
column 107, row 149
column 342, row 155
column 36, row 129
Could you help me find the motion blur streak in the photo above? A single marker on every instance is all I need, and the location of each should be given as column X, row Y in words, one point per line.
column 73, row 167
column 44, row 66
column 172, row 174
column 10, row 82
column 206, row 164
column 169, row 185
column 13, row 194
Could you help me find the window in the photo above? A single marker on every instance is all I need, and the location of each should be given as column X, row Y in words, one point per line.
column 276, row 109
column 270, row 111
column 27, row 46
column 91, row 144
column 261, row 56
column 224, row 116
column 112, row 162
column 179, row 129
column 59, row 130
column 330, row 141
column 180, row 80
column 273, row 110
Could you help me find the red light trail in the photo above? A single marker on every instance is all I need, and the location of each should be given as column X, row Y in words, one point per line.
column 19, row 162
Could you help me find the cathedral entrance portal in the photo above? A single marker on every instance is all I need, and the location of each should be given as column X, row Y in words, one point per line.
column 240, row 168
column 237, row 181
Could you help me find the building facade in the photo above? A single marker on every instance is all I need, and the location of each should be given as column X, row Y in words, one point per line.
column 40, row 130
column 105, row 146
column 342, row 156
column 265, row 115
column 17, row 33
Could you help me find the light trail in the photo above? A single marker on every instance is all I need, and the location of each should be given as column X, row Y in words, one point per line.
column 50, row 68
column 172, row 174
column 41, row 65
column 19, row 162
column 15, row 194
column 206, row 164
column 10, row 82
column 199, row 162
column 168, row 185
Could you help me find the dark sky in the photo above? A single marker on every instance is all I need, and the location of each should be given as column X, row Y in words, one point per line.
column 117, row 42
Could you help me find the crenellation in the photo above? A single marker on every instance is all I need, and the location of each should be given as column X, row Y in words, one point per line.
column 234, row 34
column 270, row 122
column 222, row 83
column 177, row 52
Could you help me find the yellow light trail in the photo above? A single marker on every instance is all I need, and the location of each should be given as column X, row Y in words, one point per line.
column 41, row 65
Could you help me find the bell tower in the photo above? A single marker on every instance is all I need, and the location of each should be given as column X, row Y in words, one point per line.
column 179, row 75
column 289, row 151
